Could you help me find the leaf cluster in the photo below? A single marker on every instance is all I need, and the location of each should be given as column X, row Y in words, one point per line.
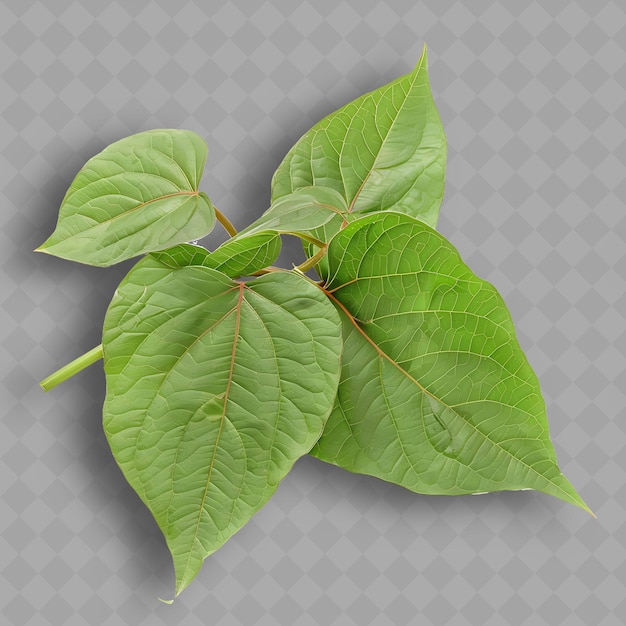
column 222, row 369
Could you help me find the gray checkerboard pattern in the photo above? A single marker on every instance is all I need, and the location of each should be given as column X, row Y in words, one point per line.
column 533, row 99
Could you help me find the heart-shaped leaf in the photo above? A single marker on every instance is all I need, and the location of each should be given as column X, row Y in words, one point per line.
column 230, row 384
column 385, row 150
column 436, row 394
column 138, row 195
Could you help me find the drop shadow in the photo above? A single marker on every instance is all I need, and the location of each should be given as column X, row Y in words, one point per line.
column 361, row 490
column 112, row 496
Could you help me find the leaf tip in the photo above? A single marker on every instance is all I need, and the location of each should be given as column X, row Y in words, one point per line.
column 584, row 507
column 422, row 62
column 189, row 572
column 166, row 601
column 569, row 494
column 181, row 585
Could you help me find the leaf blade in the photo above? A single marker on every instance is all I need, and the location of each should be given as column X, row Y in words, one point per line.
column 383, row 151
column 436, row 394
column 138, row 195
column 304, row 211
column 223, row 402
column 235, row 257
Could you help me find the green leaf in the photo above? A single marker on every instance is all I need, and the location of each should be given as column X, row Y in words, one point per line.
column 314, row 214
column 235, row 257
column 183, row 255
column 214, row 389
column 436, row 394
column 303, row 212
column 138, row 195
column 385, row 150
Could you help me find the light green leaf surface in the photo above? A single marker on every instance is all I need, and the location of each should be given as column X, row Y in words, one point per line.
column 385, row 150
column 183, row 255
column 214, row 389
column 138, row 195
column 436, row 394
column 302, row 212
column 235, row 257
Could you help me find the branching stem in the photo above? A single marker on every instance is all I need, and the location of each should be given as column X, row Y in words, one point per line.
column 310, row 239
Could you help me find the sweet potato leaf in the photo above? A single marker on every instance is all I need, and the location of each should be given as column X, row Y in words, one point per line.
column 384, row 150
column 436, row 394
column 214, row 389
column 138, row 195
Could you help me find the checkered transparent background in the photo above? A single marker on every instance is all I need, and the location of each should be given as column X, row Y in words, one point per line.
column 532, row 97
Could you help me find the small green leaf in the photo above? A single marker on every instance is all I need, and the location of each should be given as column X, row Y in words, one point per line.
column 385, row 150
column 138, row 195
column 436, row 394
column 314, row 214
column 214, row 389
column 235, row 257
column 303, row 212
column 183, row 255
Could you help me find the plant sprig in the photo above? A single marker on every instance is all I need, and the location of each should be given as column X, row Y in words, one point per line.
column 223, row 369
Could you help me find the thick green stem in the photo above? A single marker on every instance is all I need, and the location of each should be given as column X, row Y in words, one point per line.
column 225, row 222
column 67, row 371
column 310, row 239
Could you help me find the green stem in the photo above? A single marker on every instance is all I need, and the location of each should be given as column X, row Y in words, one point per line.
column 225, row 222
column 309, row 238
column 67, row 371
column 313, row 261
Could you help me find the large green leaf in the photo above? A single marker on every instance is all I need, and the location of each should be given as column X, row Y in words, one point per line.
column 235, row 257
column 385, row 150
column 303, row 212
column 214, row 389
column 138, row 195
column 436, row 394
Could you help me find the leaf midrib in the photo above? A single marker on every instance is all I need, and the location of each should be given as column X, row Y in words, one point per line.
column 99, row 225
column 415, row 74
column 237, row 309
